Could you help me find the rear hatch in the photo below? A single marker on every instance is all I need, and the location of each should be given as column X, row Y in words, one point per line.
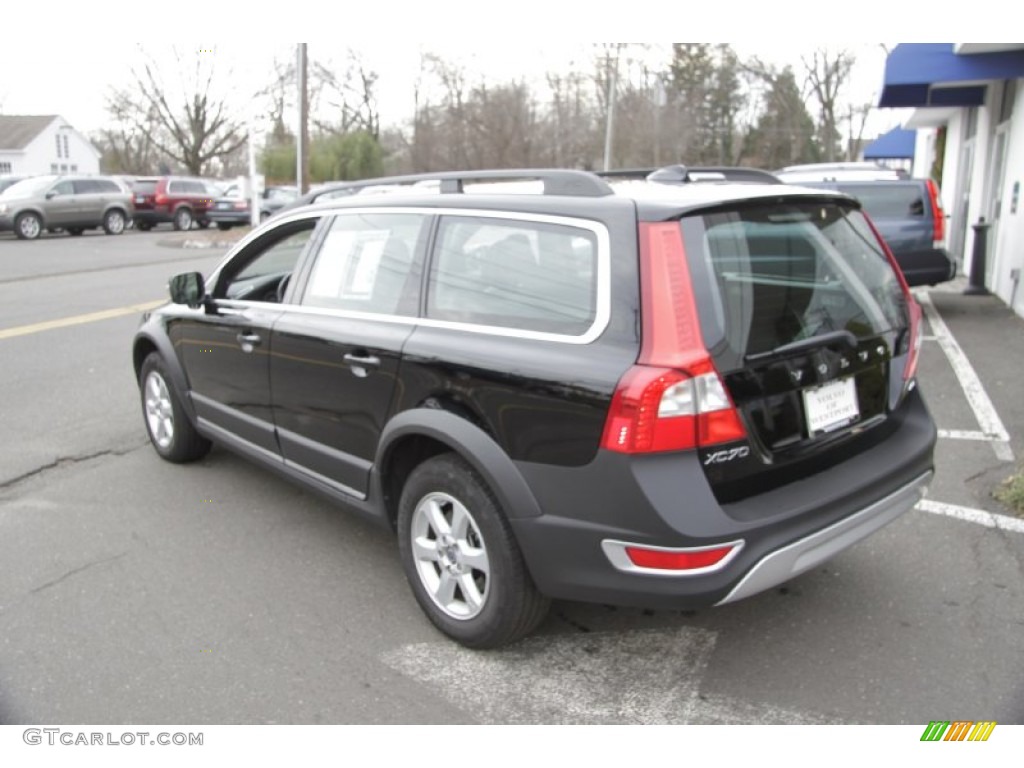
column 144, row 193
column 809, row 327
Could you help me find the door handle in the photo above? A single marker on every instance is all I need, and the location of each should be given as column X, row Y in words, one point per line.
column 359, row 360
column 249, row 341
column 360, row 363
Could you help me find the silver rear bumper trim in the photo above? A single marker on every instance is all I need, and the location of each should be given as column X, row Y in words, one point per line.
column 793, row 559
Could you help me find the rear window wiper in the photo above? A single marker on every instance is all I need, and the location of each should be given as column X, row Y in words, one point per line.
column 823, row 340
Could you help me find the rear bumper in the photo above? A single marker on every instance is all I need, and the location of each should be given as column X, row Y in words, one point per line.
column 927, row 267
column 810, row 551
column 229, row 217
column 665, row 501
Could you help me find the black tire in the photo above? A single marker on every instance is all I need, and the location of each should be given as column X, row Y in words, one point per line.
column 143, row 226
column 114, row 222
column 183, row 219
column 75, row 231
column 203, row 223
column 170, row 430
column 500, row 603
column 223, row 226
column 28, row 226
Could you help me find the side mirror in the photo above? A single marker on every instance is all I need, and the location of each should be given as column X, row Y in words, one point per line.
column 51, row 194
column 188, row 288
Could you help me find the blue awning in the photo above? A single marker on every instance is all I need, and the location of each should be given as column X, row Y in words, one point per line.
column 897, row 144
column 932, row 75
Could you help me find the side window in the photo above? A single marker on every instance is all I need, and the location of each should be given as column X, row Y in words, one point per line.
column 174, row 188
column 63, row 188
column 85, row 186
column 260, row 272
column 366, row 264
column 532, row 276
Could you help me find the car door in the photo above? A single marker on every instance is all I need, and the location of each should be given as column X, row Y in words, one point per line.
column 337, row 348
column 88, row 202
column 61, row 204
column 225, row 347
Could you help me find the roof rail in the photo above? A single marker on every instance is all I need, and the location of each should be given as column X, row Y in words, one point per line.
column 557, row 181
column 679, row 174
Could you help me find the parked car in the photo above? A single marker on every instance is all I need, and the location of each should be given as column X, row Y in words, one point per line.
column 666, row 395
column 909, row 216
column 7, row 181
column 851, row 171
column 232, row 209
column 180, row 201
column 71, row 203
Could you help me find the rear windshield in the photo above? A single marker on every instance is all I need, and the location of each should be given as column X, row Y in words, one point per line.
column 144, row 187
column 772, row 275
column 889, row 200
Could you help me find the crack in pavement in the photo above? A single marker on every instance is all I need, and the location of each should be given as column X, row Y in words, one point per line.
column 73, row 571
column 66, row 461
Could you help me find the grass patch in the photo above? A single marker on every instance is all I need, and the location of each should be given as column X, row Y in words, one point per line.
column 1011, row 492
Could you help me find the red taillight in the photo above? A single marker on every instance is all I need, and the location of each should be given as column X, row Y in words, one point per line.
column 160, row 199
column 673, row 399
column 678, row 560
column 914, row 347
column 938, row 217
column 913, row 309
column 242, row 205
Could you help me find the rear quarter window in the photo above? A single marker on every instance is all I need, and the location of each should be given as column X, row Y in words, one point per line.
column 526, row 275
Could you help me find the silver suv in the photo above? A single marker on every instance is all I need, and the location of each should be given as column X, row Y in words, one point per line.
column 71, row 203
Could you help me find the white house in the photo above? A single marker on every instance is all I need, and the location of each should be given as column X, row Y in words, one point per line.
column 33, row 145
column 968, row 101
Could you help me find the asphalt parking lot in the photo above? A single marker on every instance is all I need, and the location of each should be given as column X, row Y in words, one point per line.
column 135, row 591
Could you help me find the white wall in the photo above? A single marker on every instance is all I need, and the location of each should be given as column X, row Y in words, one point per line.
column 1008, row 251
column 41, row 154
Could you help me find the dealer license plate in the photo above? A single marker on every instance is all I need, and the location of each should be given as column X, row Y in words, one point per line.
column 831, row 407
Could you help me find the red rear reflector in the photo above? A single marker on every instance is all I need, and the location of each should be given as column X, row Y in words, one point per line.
column 679, row 560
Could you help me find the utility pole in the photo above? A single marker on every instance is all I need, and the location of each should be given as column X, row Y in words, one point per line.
column 609, row 128
column 302, row 141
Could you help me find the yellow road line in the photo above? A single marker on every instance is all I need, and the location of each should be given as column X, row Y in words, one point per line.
column 92, row 317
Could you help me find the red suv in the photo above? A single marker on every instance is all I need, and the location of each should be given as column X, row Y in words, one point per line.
column 174, row 199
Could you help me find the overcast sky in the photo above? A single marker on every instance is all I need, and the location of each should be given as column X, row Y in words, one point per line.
column 71, row 70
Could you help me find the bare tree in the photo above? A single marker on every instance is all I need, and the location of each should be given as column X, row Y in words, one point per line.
column 826, row 75
column 192, row 126
column 343, row 98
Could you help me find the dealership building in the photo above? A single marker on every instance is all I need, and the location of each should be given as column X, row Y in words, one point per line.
column 969, row 118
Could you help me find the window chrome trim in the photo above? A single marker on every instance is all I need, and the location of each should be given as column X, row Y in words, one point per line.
column 602, row 314
column 615, row 551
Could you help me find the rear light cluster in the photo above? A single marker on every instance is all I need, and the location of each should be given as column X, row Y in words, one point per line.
column 673, row 399
column 241, row 205
column 913, row 308
column 938, row 216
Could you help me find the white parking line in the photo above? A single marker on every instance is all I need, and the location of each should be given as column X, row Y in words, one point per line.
column 965, row 434
column 970, row 515
column 631, row 677
column 989, row 421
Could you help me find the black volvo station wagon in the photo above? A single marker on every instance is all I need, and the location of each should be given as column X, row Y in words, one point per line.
column 668, row 392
